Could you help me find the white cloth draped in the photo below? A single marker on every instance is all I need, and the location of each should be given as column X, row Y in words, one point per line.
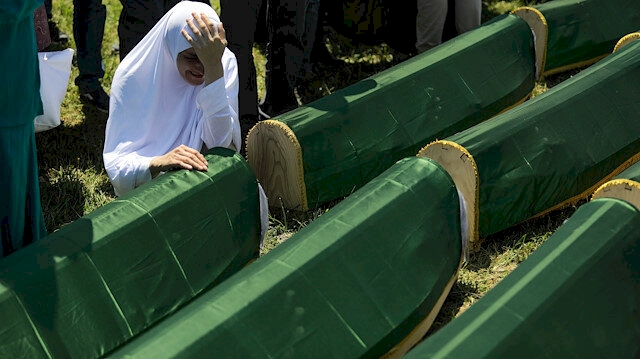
column 154, row 110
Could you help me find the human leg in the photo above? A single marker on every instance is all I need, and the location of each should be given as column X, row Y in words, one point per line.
column 88, row 31
column 292, row 25
column 430, row 23
column 241, row 19
column 54, row 31
column 468, row 15
column 49, row 7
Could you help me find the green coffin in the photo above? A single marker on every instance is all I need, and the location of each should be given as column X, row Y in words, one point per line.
column 333, row 146
column 353, row 283
column 576, row 296
column 632, row 173
column 580, row 32
column 97, row 282
column 551, row 151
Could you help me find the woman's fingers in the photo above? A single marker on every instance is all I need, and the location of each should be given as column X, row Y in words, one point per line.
column 186, row 36
column 222, row 34
column 180, row 157
column 194, row 28
column 204, row 30
column 199, row 19
column 203, row 26
column 185, row 157
column 210, row 25
column 192, row 157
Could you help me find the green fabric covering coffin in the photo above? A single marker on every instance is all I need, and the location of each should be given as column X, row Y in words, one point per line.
column 97, row 282
column 333, row 146
column 353, row 283
column 551, row 151
column 575, row 33
column 576, row 296
column 632, row 173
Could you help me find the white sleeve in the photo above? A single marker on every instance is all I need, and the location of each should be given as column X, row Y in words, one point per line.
column 126, row 171
column 219, row 104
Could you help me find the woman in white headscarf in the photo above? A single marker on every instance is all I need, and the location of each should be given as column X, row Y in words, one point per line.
column 173, row 95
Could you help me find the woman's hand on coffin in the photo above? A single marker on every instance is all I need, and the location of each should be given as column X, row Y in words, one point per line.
column 181, row 157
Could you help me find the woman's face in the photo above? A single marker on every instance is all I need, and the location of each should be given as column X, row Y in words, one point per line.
column 190, row 67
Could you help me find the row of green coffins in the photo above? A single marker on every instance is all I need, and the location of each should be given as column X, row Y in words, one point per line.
column 367, row 277
column 577, row 296
column 560, row 146
column 94, row 284
column 113, row 274
column 328, row 148
column 352, row 283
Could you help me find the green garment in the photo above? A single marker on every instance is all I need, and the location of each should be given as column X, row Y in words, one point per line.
column 20, row 97
column 577, row 296
column 351, row 284
column 21, row 219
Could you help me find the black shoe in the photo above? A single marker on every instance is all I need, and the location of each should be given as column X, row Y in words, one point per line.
column 97, row 98
column 56, row 34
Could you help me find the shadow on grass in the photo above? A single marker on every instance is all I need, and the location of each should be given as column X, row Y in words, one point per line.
column 73, row 145
column 451, row 307
column 64, row 154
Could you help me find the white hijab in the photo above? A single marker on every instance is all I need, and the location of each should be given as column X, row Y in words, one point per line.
column 154, row 110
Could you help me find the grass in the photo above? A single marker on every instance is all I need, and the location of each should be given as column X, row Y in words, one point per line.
column 74, row 182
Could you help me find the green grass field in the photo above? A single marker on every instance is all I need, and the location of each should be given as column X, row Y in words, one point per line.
column 74, row 183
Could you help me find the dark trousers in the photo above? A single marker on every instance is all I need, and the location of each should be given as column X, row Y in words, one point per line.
column 88, row 30
column 137, row 18
column 293, row 31
column 242, row 19
column 49, row 7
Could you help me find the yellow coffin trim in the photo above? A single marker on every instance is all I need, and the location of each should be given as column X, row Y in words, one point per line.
column 625, row 40
column 624, row 189
column 538, row 24
column 462, row 168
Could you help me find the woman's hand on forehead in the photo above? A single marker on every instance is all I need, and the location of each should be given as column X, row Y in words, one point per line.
column 209, row 42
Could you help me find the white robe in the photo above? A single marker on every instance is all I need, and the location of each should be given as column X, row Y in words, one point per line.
column 154, row 110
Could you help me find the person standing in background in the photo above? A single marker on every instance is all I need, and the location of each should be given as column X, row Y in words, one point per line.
column 56, row 35
column 293, row 30
column 21, row 218
column 432, row 15
column 89, row 17
column 241, row 20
